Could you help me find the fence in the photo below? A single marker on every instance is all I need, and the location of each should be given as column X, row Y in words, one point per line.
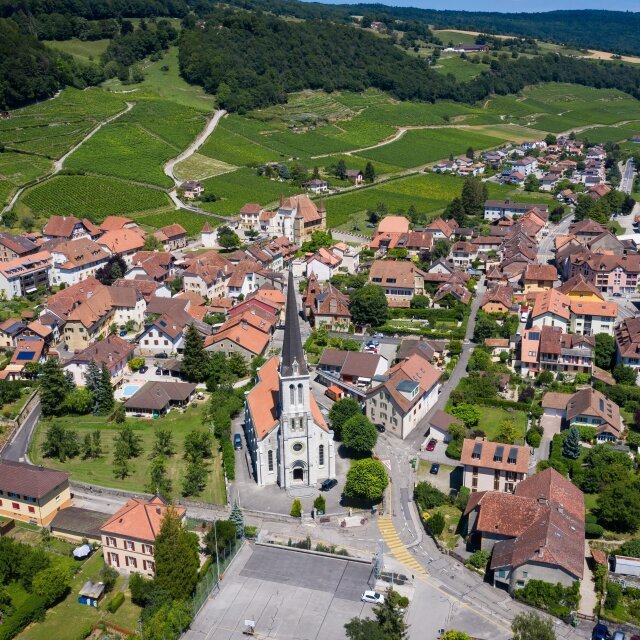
column 214, row 574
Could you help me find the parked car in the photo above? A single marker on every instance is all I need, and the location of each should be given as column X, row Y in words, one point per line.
column 143, row 369
column 617, row 294
column 123, row 334
column 374, row 597
column 618, row 635
column 328, row 484
column 524, row 317
column 380, row 428
column 237, row 441
column 435, row 467
column 600, row 632
column 432, row 444
column 162, row 355
column 158, row 371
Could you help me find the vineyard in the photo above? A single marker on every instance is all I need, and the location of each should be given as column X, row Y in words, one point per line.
column 17, row 169
column 190, row 220
column 90, row 196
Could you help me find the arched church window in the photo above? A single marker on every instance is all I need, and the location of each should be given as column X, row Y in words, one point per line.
column 270, row 459
column 300, row 395
column 321, row 455
column 292, row 394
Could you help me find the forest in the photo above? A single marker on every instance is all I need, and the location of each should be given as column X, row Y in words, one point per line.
column 255, row 59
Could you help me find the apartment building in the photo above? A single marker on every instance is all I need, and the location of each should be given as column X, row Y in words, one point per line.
column 492, row 466
column 22, row 276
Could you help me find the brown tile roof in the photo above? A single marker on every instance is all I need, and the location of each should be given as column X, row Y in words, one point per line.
column 487, row 452
column 27, row 350
column 332, row 302
column 139, row 519
column 25, row 264
column 594, row 308
column 393, row 224
column 498, row 295
column 92, row 309
column 244, row 335
column 552, row 301
column 252, row 208
column 442, row 420
column 628, row 338
column 579, row 284
column 19, row 244
column 352, row 363
column 63, row 302
column 441, row 225
column 170, row 232
column 553, row 400
column 540, row 272
column 263, row 399
column 394, row 273
column 158, row 395
column 121, row 240
column 80, row 252
column 146, row 288
column 30, row 480
column 62, row 226
column 496, row 342
column 458, row 291
column 113, row 223
column 305, row 207
column 109, row 352
column 591, row 402
column 504, row 513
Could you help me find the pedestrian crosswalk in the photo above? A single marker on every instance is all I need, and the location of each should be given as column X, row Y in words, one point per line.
column 397, row 547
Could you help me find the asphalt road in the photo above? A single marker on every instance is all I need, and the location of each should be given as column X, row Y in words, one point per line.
column 18, row 446
column 626, row 183
column 546, row 246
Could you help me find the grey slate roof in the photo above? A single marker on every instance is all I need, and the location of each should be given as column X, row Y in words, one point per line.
column 292, row 346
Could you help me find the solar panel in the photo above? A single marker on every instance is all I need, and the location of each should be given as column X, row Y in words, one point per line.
column 26, row 355
column 163, row 323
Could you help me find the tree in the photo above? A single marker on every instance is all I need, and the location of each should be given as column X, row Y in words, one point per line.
column 163, row 444
column 176, row 557
column 369, row 306
column 427, row 496
column 470, row 153
column 197, row 444
column 390, row 616
column 436, row 523
column 341, row 169
column 51, row 584
column 474, row 194
column 441, row 249
column 468, row 413
column 455, row 210
column 121, row 468
column 369, row 173
column 53, row 387
column 159, row 482
column 127, row 442
column 507, row 433
column 532, row 183
column 115, row 268
column 229, row 240
column 367, row 629
column 420, row 302
column 104, row 399
column 195, row 478
column 169, row 621
column 220, row 536
column 571, row 445
column 60, row 443
column 624, row 375
column 237, row 518
column 359, row 434
column 366, row 479
column 531, row 626
column 486, row 327
column 605, row 350
column 237, row 365
column 195, row 362
column 340, row 412
column 544, row 377
column 296, row 508
column 151, row 243
column 619, row 506
column 320, row 504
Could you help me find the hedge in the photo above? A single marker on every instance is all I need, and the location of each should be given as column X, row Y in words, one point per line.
column 116, row 602
column 503, row 404
column 429, row 314
column 592, row 530
column 533, row 438
column 228, row 459
column 31, row 610
column 456, row 334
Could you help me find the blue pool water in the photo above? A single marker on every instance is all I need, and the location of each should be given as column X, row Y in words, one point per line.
column 129, row 390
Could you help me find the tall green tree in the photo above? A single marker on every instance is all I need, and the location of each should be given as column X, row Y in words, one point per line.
column 176, row 557
column 163, row 444
column 60, row 442
column 369, row 306
column 195, row 478
column 359, row 434
column 340, row 412
column 531, row 626
column 195, row 361
column 53, row 387
column 366, row 480
column 369, row 173
column 104, row 394
column 474, row 195
column 128, row 443
column 619, row 506
column 237, row 518
column 159, row 481
column 571, row 445
column 624, row 374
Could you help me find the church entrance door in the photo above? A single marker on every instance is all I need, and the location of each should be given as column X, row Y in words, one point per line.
column 298, row 474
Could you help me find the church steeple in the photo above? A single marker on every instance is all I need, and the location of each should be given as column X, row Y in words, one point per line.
column 293, row 362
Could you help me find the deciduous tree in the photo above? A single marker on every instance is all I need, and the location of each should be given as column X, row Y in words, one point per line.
column 369, row 306
column 366, row 479
column 359, row 434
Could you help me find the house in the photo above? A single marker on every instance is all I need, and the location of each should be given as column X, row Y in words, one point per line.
column 577, row 287
column 349, row 256
column 551, row 308
column 207, row 274
column 128, row 536
column 536, row 533
column 405, row 396
column 627, row 336
column 442, row 229
column 89, row 320
column 329, row 309
column 591, row 318
column 113, row 353
column 492, row 466
column 610, row 273
column 497, row 345
column 69, row 228
column 530, row 352
column 172, row 237
column 451, row 291
column 418, row 242
column 391, row 230
column 296, row 218
column 15, row 246
column 158, row 398
column 10, row 330
column 165, row 334
column 352, row 371
column 539, row 277
column 316, row 186
column 462, row 254
column 250, row 216
column 148, row 289
column 239, row 337
column 76, row 260
column 445, row 166
column 495, row 209
column 151, row 265
column 355, row 176
column 32, row 493
column 324, row 264
column 122, row 242
column 439, row 424
column 115, row 223
column 399, row 280
column 497, row 300
column 22, row 276
column 28, row 350
column 525, row 166
column 208, row 236
column 192, row 189
column 565, row 353
column 586, row 408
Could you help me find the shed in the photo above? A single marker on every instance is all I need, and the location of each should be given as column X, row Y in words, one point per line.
column 624, row 565
column 91, row 593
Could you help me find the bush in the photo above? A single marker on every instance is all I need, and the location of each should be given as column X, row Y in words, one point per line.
column 614, row 593
column 533, row 438
column 592, row 530
column 436, row 523
column 31, row 610
column 479, row 559
column 109, row 575
column 427, row 496
column 454, row 449
column 296, row 509
column 462, row 498
column 140, row 589
column 228, row 459
column 547, row 596
column 116, row 602
column 320, row 504
column 136, row 363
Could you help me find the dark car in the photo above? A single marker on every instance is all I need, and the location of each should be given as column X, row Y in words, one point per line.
column 328, row 484
column 237, row 441
column 162, row 355
column 144, row 368
column 380, row 428
column 600, row 632
column 435, row 467
column 158, row 371
column 432, row 444
column 617, row 294
column 123, row 334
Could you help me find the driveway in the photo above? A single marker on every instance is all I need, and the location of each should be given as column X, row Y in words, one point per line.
column 551, row 426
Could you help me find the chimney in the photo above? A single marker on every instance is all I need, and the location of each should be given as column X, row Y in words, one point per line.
column 244, row 325
column 158, row 510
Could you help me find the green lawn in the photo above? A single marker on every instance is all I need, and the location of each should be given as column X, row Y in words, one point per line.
column 100, row 472
column 68, row 619
column 492, row 417
column 462, row 69
column 85, row 50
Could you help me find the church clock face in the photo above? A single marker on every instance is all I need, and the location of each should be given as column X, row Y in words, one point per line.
column 297, row 447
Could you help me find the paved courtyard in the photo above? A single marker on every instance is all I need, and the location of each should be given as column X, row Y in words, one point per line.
column 287, row 594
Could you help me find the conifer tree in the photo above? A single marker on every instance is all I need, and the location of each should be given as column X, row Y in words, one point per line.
column 238, row 519
column 195, row 362
column 571, row 445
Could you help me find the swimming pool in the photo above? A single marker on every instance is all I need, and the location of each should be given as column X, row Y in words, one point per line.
column 129, row 390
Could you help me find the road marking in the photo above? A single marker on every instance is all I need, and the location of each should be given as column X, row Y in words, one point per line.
column 396, row 546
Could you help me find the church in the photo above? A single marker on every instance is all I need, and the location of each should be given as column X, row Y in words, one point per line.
column 287, row 436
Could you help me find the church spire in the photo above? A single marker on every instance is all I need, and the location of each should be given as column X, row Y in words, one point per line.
column 293, row 362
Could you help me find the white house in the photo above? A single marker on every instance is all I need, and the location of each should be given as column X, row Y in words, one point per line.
column 76, row 260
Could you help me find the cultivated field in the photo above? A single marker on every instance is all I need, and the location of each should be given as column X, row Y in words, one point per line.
column 199, row 167
column 190, row 220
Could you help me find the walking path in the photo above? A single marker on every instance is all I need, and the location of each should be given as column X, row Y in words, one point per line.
column 58, row 164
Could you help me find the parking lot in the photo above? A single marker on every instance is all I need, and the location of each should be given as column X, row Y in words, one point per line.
column 288, row 594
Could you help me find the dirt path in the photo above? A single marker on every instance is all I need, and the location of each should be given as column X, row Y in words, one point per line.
column 212, row 123
column 58, row 164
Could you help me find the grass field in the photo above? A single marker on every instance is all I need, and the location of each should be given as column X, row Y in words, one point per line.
column 199, row 167
column 454, row 36
column 613, row 134
column 17, row 169
column 190, row 220
column 84, row 50
column 462, row 69
column 91, row 196
column 239, row 187
column 100, row 471
column 492, row 417
column 419, row 147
